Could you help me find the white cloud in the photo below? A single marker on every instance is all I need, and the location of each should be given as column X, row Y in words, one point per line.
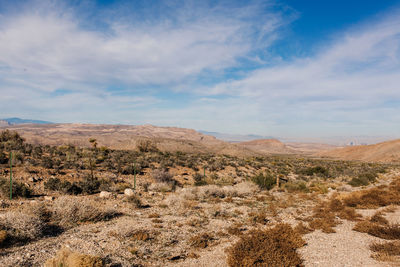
column 49, row 49
column 348, row 81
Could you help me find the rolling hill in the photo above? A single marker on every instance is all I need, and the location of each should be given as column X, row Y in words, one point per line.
column 382, row 152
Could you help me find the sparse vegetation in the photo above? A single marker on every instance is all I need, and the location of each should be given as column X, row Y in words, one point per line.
column 67, row 258
column 175, row 211
column 273, row 247
column 264, row 180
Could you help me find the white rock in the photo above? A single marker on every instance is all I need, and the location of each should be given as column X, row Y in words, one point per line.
column 129, row 192
column 105, row 194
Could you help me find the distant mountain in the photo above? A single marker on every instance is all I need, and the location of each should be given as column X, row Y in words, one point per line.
column 14, row 121
column 236, row 137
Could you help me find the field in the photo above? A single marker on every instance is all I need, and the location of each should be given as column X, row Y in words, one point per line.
column 96, row 206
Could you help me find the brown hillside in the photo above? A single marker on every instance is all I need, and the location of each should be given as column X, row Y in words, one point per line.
column 383, row 152
column 126, row 137
column 269, row 146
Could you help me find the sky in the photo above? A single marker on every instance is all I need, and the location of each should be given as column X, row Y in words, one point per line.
column 285, row 68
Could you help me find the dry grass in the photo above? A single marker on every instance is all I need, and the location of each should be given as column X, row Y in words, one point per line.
column 375, row 197
column 236, row 229
column 141, row 235
column 201, row 240
column 70, row 211
column 67, row 258
column 324, row 218
column 390, row 232
column 258, row 217
column 21, row 227
column 302, row 229
column 273, row 247
column 388, row 248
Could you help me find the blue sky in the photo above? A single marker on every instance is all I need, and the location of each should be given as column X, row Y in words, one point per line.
column 285, row 68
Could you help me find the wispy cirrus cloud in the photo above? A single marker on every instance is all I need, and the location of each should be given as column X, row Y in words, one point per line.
column 353, row 80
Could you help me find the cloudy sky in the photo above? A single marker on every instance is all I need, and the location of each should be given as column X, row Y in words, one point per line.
column 304, row 68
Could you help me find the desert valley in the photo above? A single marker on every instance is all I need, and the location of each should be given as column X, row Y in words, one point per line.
column 113, row 195
column 199, row 133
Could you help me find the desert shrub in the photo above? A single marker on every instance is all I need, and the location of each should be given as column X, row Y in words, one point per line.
column 70, row 211
column 363, row 179
column 18, row 189
column 162, row 187
column 47, row 162
column 199, row 179
column 265, row 181
column 90, row 185
column 373, row 198
column 3, row 157
column 162, row 176
column 141, row 235
column 135, row 201
column 297, row 187
column 302, row 229
column 391, row 231
column 273, row 247
column 55, row 184
column 258, row 217
column 144, row 145
column 388, row 248
column 21, row 227
column 201, row 240
column 67, row 258
column 11, row 140
column 317, row 170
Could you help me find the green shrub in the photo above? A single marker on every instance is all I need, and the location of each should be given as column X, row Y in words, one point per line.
column 317, row 170
column 18, row 189
column 199, row 179
column 264, row 180
column 363, row 179
column 297, row 187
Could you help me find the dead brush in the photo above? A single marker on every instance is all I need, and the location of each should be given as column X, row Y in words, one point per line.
column 70, row 211
column 325, row 215
column 66, row 257
column 390, row 231
column 323, row 218
column 273, row 247
column 302, row 229
column 374, row 197
column 141, row 235
column 201, row 240
column 385, row 251
column 258, row 217
column 20, row 227
column 236, row 229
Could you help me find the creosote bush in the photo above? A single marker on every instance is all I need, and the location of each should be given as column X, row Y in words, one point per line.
column 273, row 247
column 264, row 180
column 162, row 176
column 18, row 189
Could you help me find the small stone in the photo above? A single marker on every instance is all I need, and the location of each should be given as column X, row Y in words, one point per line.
column 129, row 192
column 105, row 194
